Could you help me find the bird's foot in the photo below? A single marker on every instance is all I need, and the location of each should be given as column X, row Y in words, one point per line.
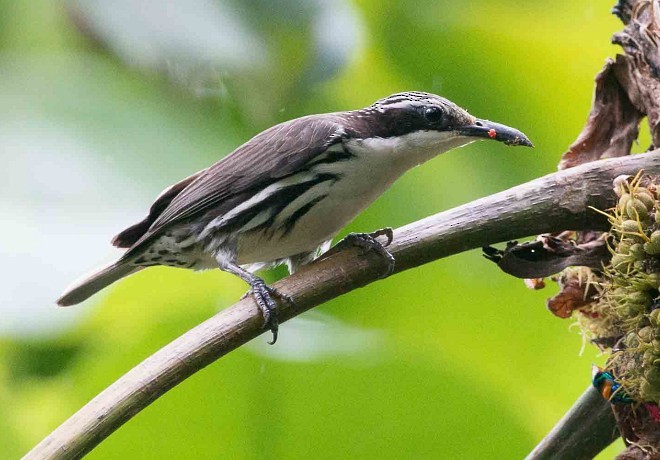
column 264, row 297
column 368, row 242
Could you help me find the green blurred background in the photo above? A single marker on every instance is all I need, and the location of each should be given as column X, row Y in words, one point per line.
column 104, row 104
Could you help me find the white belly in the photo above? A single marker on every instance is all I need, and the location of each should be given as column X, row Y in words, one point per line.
column 376, row 164
column 363, row 179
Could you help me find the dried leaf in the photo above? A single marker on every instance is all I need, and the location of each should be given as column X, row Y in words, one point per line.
column 547, row 256
column 575, row 292
column 612, row 126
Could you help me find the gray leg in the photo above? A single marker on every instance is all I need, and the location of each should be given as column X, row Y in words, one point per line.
column 262, row 294
column 367, row 242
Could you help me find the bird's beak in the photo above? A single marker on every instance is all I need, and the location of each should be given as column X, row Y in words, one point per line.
column 491, row 130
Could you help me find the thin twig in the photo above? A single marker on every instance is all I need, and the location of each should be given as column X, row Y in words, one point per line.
column 555, row 202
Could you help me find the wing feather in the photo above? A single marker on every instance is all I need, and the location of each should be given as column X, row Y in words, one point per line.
column 132, row 234
column 271, row 155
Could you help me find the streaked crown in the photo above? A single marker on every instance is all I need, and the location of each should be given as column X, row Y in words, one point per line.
column 408, row 112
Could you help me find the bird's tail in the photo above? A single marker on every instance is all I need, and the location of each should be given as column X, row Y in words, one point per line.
column 90, row 284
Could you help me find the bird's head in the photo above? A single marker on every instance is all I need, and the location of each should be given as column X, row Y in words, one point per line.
column 424, row 121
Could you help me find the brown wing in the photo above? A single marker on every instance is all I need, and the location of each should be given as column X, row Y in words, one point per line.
column 132, row 234
column 271, row 155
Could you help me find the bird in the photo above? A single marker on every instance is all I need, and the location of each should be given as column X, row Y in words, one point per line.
column 282, row 196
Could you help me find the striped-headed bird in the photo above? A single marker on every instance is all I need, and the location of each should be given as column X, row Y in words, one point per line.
column 283, row 195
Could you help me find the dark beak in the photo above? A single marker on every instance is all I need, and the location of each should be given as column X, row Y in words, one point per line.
column 491, row 130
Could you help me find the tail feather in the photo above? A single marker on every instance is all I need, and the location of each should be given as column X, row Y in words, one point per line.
column 92, row 283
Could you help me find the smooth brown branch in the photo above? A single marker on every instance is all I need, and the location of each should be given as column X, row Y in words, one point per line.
column 551, row 203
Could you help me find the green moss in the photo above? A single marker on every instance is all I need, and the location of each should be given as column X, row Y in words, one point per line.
column 626, row 310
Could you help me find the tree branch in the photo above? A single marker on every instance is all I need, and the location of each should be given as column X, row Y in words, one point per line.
column 582, row 433
column 551, row 203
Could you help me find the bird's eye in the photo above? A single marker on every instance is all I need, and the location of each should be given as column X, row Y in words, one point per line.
column 433, row 114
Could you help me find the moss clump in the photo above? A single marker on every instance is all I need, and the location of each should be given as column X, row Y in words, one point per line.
column 626, row 313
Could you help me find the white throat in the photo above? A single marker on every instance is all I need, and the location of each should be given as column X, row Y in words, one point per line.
column 410, row 149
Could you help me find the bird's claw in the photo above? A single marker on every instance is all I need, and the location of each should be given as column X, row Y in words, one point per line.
column 387, row 232
column 263, row 295
column 368, row 242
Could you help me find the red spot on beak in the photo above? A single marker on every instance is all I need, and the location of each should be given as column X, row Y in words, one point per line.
column 492, row 133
